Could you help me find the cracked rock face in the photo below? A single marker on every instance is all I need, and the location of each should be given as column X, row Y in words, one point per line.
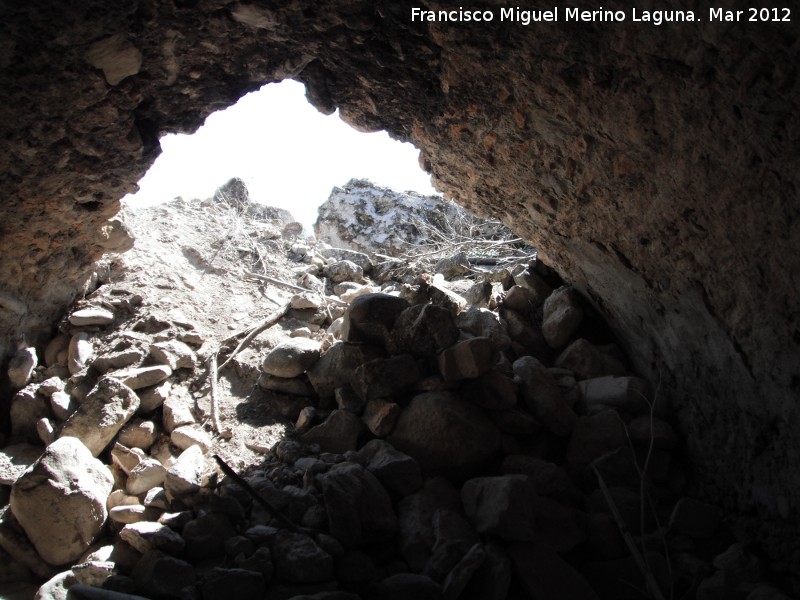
column 656, row 171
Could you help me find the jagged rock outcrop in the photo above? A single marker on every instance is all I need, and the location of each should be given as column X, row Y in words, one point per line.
column 654, row 168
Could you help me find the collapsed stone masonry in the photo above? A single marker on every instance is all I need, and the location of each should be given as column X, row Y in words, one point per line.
column 655, row 169
column 444, row 448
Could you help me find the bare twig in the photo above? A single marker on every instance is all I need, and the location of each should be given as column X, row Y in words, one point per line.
column 254, row 331
column 212, row 375
column 255, row 495
column 294, row 287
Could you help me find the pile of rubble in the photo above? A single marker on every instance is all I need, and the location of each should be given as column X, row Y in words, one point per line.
column 464, row 433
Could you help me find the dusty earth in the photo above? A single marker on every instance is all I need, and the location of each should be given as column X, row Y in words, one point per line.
column 190, row 263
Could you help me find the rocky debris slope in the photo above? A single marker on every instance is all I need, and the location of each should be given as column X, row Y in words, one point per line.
column 477, row 437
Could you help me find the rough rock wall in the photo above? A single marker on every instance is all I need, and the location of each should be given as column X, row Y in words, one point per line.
column 655, row 167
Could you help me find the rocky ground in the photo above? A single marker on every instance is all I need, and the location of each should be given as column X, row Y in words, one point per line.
column 238, row 412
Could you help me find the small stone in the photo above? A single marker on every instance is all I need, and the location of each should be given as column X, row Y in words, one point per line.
column 562, row 315
column 147, row 535
column 467, row 359
column 153, row 397
column 144, row 376
column 402, row 586
column 423, row 331
column 344, row 270
column 94, row 573
column 60, row 501
column 521, row 300
column 586, row 361
column 306, row 419
column 338, row 433
column 177, row 411
column 336, row 367
column 385, row 377
column 174, row 354
column 296, row 386
column 291, row 358
column 55, row 348
column 300, row 560
column 118, row 360
column 548, row 479
column 149, row 473
column 51, row 385
column 515, row 421
column 622, row 393
column 543, row 397
column 156, row 497
column 21, row 366
column 46, row 431
column 91, row 316
column 176, row 521
column 102, row 414
column 457, row 580
column 441, row 295
column 138, row 434
column 493, row 391
column 397, row 472
column 370, row 318
column 184, row 478
column 132, row 513
column 15, row 459
column 80, row 352
column 27, row 407
column 62, row 405
column 126, row 458
column 186, row 436
column 57, row 587
column 120, row 498
column 380, row 416
column 453, row 266
column 482, row 322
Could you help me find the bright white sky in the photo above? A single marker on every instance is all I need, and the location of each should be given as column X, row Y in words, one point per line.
column 288, row 153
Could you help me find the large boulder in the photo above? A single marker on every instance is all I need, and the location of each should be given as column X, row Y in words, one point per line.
column 60, row 501
column 446, row 434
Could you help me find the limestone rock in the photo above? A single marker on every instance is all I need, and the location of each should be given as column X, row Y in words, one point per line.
column 359, row 508
column 27, row 407
column 62, row 405
column 21, row 366
column 587, row 361
column 126, row 458
column 132, row 513
column 143, row 377
column 117, row 360
column 60, row 500
column 116, row 56
column 521, row 300
column 622, row 393
column 493, row 391
column 385, row 377
column 467, row 359
column 138, row 433
column 184, row 478
column 482, row 322
column 56, row 588
column 344, row 270
column 296, row 386
column 102, row 414
column 453, row 266
column 191, row 435
column 338, row 433
column 174, row 354
column 543, row 396
column 177, row 411
column 423, row 330
column 146, row 536
column 398, row 473
column 91, row 316
column 80, row 352
column 370, row 318
column 149, row 473
column 562, row 316
column 300, row 560
column 55, row 349
column 153, row 397
column 15, row 459
column 380, row 416
column 445, row 434
column 336, row 367
column 292, row 357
